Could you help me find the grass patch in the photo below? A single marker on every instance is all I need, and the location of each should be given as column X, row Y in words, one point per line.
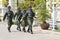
column 56, row 30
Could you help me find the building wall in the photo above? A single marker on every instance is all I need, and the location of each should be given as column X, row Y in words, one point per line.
column 57, row 11
column 12, row 3
column 0, row 7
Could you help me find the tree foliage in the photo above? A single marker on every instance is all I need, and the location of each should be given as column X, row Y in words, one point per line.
column 41, row 10
column 26, row 3
column 5, row 2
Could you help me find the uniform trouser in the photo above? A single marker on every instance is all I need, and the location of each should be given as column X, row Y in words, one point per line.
column 18, row 24
column 30, row 22
column 23, row 24
column 9, row 25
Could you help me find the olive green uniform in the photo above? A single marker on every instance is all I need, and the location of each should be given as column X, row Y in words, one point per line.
column 9, row 14
column 18, row 18
column 24, row 19
column 30, row 14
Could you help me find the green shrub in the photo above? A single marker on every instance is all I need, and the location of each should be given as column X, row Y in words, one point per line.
column 0, row 19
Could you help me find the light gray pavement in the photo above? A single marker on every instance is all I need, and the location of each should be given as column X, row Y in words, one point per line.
column 17, row 35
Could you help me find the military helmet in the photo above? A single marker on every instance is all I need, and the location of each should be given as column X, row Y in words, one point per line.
column 9, row 6
column 30, row 6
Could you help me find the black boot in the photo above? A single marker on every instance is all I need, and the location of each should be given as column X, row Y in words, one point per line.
column 31, row 32
column 17, row 28
column 9, row 29
column 24, row 30
column 28, row 31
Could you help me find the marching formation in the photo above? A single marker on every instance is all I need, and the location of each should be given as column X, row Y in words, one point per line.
column 23, row 17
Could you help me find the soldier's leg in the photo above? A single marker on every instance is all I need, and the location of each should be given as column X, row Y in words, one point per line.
column 19, row 28
column 9, row 26
column 30, row 26
column 24, row 26
column 17, row 24
column 31, row 22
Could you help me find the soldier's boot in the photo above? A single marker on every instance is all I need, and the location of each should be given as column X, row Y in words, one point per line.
column 9, row 29
column 17, row 28
column 28, row 30
column 31, row 32
column 24, row 30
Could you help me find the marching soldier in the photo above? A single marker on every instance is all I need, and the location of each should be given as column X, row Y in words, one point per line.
column 24, row 18
column 18, row 16
column 9, row 14
column 30, row 15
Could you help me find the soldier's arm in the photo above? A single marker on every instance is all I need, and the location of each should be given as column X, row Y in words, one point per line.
column 25, row 15
column 4, row 16
column 15, row 14
column 20, row 16
column 12, row 14
column 34, row 15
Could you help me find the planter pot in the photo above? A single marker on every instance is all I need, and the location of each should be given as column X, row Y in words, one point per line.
column 45, row 26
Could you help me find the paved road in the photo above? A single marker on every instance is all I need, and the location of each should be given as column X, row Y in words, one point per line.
column 17, row 35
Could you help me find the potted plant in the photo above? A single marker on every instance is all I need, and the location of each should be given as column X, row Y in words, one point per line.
column 43, row 14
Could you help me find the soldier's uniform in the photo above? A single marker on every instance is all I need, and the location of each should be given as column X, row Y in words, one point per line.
column 30, row 14
column 9, row 14
column 18, row 16
column 24, row 19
